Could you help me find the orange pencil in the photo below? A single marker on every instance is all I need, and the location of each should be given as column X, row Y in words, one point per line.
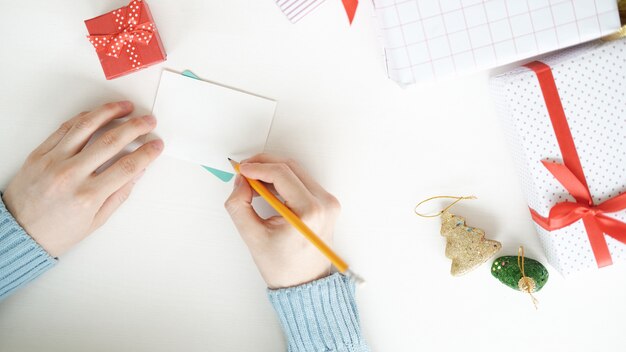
column 296, row 222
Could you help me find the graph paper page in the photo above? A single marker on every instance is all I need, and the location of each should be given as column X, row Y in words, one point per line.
column 425, row 39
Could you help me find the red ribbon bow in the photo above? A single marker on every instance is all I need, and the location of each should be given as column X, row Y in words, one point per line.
column 129, row 32
column 570, row 174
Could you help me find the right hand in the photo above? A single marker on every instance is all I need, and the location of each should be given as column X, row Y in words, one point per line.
column 284, row 257
column 58, row 198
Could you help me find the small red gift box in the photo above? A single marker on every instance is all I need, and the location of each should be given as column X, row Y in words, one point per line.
column 126, row 39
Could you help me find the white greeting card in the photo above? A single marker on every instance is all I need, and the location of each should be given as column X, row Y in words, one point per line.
column 206, row 123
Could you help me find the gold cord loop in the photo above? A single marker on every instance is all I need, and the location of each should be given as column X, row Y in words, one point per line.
column 526, row 284
column 458, row 199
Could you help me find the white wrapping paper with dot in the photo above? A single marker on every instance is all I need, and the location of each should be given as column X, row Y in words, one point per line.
column 591, row 83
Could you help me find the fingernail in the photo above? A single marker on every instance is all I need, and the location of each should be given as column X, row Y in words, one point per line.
column 151, row 120
column 139, row 176
column 126, row 105
column 157, row 145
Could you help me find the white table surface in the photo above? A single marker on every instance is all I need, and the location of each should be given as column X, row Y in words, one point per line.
column 169, row 272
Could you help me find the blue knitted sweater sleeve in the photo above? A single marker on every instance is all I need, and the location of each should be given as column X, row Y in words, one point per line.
column 21, row 258
column 320, row 316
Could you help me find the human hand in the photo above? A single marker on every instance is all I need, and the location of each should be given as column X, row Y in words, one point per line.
column 58, row 198
column 284, row 257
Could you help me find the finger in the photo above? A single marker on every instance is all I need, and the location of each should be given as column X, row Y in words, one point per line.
column 114, row 141
column 239, row 207
column 127, row 168
column 297, row 197
column 112, row 203
column 76, row 138
column 306, row 179
column 270, row 187
column 56, row 137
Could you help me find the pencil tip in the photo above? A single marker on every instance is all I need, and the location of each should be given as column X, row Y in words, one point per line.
column 229, row 159
column 359, row 281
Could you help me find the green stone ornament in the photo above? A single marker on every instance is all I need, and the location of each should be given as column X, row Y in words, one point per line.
column 520, row 273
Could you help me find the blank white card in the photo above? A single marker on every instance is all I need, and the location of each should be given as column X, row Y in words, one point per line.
column 205, row 123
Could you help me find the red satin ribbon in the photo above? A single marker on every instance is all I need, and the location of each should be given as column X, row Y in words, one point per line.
column 350, row 6
column 129, row 31
column 570, row 174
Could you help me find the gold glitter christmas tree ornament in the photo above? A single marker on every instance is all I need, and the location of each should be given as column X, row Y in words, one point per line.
column 466, row 246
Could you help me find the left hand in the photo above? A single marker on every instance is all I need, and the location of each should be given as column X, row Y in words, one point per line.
column 58, row 198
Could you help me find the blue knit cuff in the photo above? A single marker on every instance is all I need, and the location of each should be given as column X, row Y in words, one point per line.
column 21, row 258
column 320, row 316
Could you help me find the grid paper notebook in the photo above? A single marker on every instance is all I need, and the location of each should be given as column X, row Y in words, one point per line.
column 425, row 39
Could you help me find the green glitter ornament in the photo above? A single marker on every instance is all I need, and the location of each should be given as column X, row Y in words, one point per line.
column 520, row 273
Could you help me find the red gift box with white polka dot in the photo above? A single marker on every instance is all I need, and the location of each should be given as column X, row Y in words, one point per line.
column 126, row 39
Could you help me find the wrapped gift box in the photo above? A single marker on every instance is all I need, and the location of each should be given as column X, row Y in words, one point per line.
column 126, row 39
column 425, row 39
column 567, row 123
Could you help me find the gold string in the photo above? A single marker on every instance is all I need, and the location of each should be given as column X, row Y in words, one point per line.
column 621, row 33
column 525, row 279
column 458, row 199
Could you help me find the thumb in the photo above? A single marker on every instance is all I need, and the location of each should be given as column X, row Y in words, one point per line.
column 239, row 207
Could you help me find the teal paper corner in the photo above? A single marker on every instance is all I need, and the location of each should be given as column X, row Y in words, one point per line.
column 222, row 175
column 190, row 74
